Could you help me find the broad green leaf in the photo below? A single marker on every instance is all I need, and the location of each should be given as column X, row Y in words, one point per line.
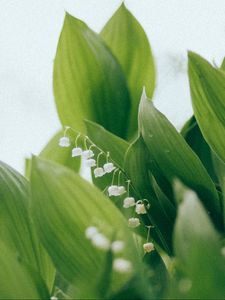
column 18, row 281
column 223, row 65
column 136, row 166
column 196, row 141
column 129, row 43
column 198, row 249
column 63, row 156
column 107, row 142
column 16, row 228
column 175, row 158
column 64, row 205
column 88, row 81
column 207, row 86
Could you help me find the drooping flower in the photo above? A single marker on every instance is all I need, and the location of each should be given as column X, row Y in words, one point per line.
column 122, row 265
column 87, row 154
column 64, row 141
column 99, row 172
column 77, row 151
column 113, row 190
column 140, row 208
column 133, row 222
column 148, row 247
column 90, row 163
column 117, row 246
column 91, row 231
column 109, row 167
column 100, row 241
column 121, row 190
column 53, row 298
column 128, row 202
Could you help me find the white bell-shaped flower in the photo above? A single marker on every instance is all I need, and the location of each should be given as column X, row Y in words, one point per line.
column 121, row 190
column 53, row 298
column 64, row 141
column 148, row 247
column 87, row 154
column 134, row 222
column 128, row 202
column 99, row 172
column 91, row 231
column 140, row 209
column 117, row 246
column 100, row 241
column 122, row 265
column 109, row 167
column 90, row 163
column 113, row 190
column 77, row 151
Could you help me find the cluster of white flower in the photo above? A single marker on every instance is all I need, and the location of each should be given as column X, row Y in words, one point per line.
column 101, row 242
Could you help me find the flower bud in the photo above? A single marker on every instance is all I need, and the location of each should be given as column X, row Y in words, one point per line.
column 87, row 154
column 64, row 141
column 100, row 241
column 134, row 222
column 99, row 172
column 76, row 151
column 121, row 265
column 91, row 231
column 128, row 202
column 148, row 247
column 117, row 246
column 109, row 167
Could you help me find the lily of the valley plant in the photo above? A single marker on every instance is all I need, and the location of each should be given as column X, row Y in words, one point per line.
column 150, row 224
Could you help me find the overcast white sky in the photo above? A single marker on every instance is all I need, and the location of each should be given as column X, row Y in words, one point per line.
column 29, row 31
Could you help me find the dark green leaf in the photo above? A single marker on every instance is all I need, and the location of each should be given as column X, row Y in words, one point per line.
column 88, row 81
column 207, row 86
column 175, row 158
column 129, row 43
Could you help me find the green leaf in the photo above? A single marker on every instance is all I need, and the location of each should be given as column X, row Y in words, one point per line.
column 207, row 86
column 18, row 281
column 16, row 228
column 198, row 249
column 64, row 205
column 175, row 158
column 107, row 142
column 223, row 65
column 136, row 166
column 63, row 156
column 196, row 141
column 88, row 81
column 129, row 43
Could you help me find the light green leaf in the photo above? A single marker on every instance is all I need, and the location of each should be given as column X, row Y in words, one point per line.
column 175, row 158
column 129, row 43
column 207, row 86
column 88, row 81
column 16, row 228
column 64, row 205
column 107, row 142
column 223, row 65
column 198, row 249
column 18, row 281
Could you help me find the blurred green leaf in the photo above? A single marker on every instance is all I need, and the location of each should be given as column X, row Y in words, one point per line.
column 198, row 249
column 223, row 65
column 129, row 43
column 18, row 281
column 64, row 205
column 175, row 158
column 207, row 86
column 16, row 228
column 196, row 141
column 88, row 81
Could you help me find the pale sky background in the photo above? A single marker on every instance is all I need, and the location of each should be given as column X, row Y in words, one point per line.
column 29, row 31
